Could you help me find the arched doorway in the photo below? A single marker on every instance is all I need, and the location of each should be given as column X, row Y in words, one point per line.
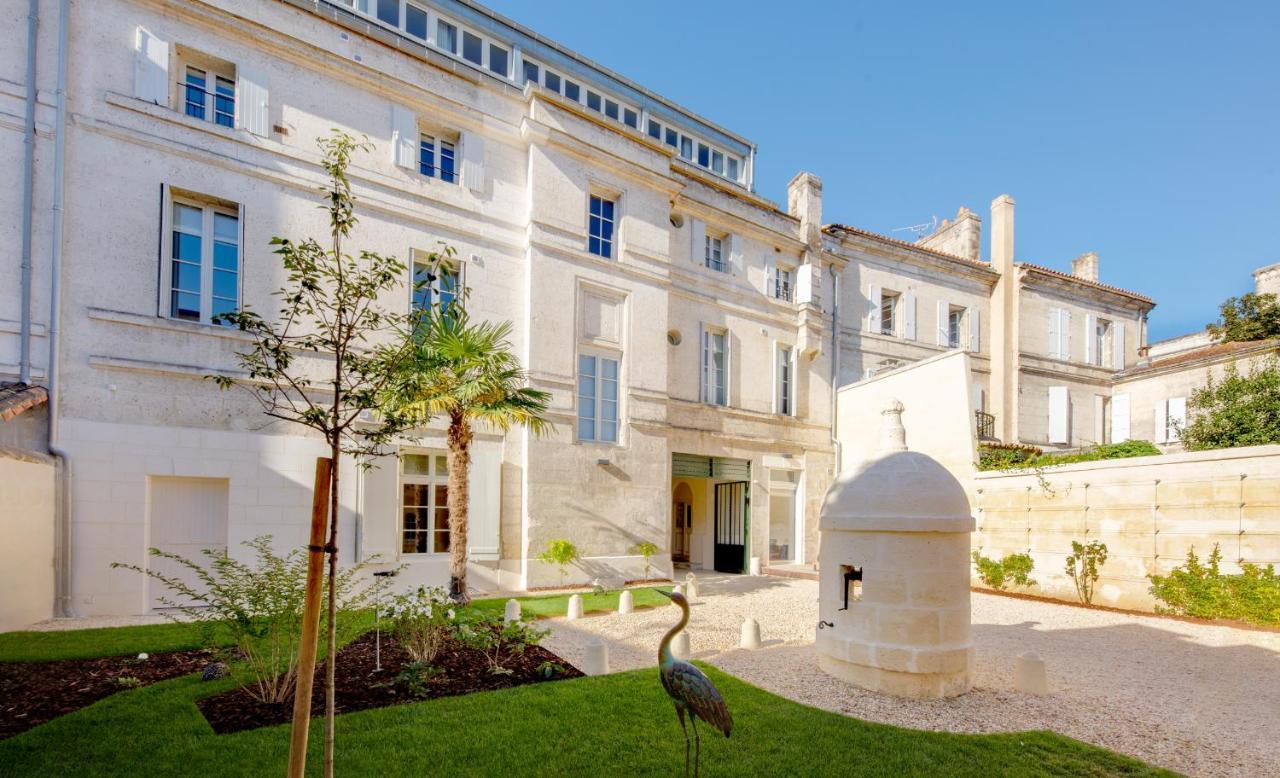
column 681, row 522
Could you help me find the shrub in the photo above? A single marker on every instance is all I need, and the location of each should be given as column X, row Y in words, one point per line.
column 1237, row 410
column 258, row 606
column 1248, row 317
column 560, row 553
column 1204, row 592
column 414, row 678
column 422, row 622
column 1082, row 567
column 1015, row 457
column 497, row 639
column 1005, row 456
column 646, row 550
column 1013, row 568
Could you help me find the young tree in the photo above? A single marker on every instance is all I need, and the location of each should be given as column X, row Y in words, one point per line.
column 467, row 372
column 1238, row 410
column 329, row 354
column 1248, row 317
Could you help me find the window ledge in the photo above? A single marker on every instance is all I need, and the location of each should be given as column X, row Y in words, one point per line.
column 169, row 325
column 166, row 114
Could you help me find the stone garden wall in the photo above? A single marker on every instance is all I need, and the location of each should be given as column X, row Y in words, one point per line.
column 27, row 494
column 1148, row 510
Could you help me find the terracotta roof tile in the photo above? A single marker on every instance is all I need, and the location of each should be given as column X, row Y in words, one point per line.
column 1211, row 351
column 1086, row 282
column 905, row 244
column 16, row 398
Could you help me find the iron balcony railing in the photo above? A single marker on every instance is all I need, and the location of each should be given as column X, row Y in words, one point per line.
column 986, row 425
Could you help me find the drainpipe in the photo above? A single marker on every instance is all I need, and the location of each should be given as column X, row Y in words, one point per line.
column 64, row 606
column 835, row 357
column 28, row 178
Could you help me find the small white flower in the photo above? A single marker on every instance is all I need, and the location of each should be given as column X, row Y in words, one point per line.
column 144, row 655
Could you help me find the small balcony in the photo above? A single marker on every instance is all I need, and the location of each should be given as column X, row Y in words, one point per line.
column 986, row 425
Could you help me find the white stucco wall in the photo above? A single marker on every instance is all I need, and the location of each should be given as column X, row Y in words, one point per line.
column 27, row 498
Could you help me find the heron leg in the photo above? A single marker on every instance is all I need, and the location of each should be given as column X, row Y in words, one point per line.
column 685, row 729
column 697, row 746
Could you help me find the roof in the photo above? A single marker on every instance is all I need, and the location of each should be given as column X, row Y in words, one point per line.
column 1233, row 348
column 1086, row 282
column 16, row 398
column 905, row 244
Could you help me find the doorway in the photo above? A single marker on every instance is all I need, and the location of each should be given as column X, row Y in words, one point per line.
column 732, row 527
column 681, row 523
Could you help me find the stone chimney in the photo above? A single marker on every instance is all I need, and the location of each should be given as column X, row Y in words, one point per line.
column 1266, row 280
column 1085, row 266
column 804, row 202
column 1002, row 234
column 962, row 237
column 1005, row 317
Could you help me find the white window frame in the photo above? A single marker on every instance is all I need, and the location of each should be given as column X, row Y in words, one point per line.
column 208, row 207
column 612, row 241
column 891, row 299
column 432, row 479
column 600, row 356
column 713, row 253
column 956, row 317
column 784, row 379
column 714, row 393
column 438, row 143
column 784, row 288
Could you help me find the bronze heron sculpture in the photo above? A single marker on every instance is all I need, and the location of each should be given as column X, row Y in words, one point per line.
column 690, row 689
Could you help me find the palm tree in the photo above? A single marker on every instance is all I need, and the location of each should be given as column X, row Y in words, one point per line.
column 465, row 371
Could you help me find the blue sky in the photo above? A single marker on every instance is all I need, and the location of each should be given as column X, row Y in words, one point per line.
column 1148, row 132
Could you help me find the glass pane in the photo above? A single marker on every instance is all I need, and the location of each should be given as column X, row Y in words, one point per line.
column 442, row 499
column 225, row 284
column 389, row 12
column 573, row 91
column 442, row 465
column 704, row 155
column 609, row 431
column 552, row 81
column 530, row 72
column 472, row 47
column 655, row 130
column 188, row 218
column 595, row 206
column 442, row 540
column 672, row 138
column 593, row 245
column 606, row 209
column 586, row 429
column 220, row 306
column 413, row 543
column 586, row 365
column 414, row 464
column 185, row 306
column 611, row 109
column 686, row 147
column 186, row 277
column 186, row 247
column 226, row 256
column 415, row 21
column 593, row 100
column 732, row 169
column 717, row 162
column 630, row 118
column 447, row 162
column 609, row 369
column 226, row 228
column 498, row 60
column 447, row 36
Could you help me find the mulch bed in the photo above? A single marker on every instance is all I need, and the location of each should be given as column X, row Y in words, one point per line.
column 360, row 686
column 32, row 693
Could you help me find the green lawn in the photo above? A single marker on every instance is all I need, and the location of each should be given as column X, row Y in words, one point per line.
column 610, row 725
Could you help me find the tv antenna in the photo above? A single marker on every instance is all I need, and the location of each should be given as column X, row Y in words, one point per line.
column 920, row 230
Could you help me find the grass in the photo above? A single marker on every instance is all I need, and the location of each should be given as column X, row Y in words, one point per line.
column 607, row 725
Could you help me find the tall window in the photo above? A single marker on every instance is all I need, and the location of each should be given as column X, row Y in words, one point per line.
column 434, row 284
column 204, row 268
column 786, row 381
column 1102, row 342
column 600, row 227
column 714, row 254
column 714, row 361
column 888, row 312
column 782, row 284
column 955, row 322
column 424, row 503
column 436, row 158
column 597, row 398
column 213, row 102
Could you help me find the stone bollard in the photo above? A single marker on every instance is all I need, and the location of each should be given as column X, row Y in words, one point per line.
column 680, row 646
column 626, row 603
column 1029, row 675
column 512, row 611
column 691, row 586
column 575, row 607
column 755, row 565
column 750, row 634
column 597, row 658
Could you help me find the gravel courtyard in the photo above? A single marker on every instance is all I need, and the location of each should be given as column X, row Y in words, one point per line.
column 1203, row 700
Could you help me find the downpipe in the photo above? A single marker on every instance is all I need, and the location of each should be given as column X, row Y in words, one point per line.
column 835, row 359
column 28, row 189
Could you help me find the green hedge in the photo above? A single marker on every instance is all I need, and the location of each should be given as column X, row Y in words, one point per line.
column 1014, row 458
column 1204, row 592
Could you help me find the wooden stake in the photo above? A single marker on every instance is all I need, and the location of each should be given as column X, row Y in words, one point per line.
column 310, row 622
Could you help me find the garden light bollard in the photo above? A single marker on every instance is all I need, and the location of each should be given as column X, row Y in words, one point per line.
column 750, row 634
column 626, row 603
column 575, row 607
column 1029, row 675
column 597, row 659
column 680, row 646
column 690, row 586
column 377, row 621
column 755, row 565
column 512, row 611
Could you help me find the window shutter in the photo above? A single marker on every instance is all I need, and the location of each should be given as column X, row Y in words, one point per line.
column 164, row 268
column 380, row 509
column 975, row 331
column 735, row 253
column 1055, row 342
column 1091, row 355
column 909, row 314
column 704, row 383
column 1119, row 418
column 404, row 137
column 1059, row 415
column 151, row 68
column 944, row 339
column 698, row 241
column 484, row 500
column 873, row 316
column 1065, row 333
column 473, row 164
column 1162, row 421
column 252, row 107
column 770, row 276
column 1177, row 413
column 1117, row 345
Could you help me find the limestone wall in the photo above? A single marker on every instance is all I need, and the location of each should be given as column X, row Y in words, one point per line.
column 27, row 495
column 1148, row 510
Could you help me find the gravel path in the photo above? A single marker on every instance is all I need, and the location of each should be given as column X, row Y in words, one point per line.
column 1203, row 700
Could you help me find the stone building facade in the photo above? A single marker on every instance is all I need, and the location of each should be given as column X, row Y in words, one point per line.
column 691, row 332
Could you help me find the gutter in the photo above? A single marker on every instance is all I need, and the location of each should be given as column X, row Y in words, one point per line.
column 835, row 359
column 28, row 197
column 64, row 605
